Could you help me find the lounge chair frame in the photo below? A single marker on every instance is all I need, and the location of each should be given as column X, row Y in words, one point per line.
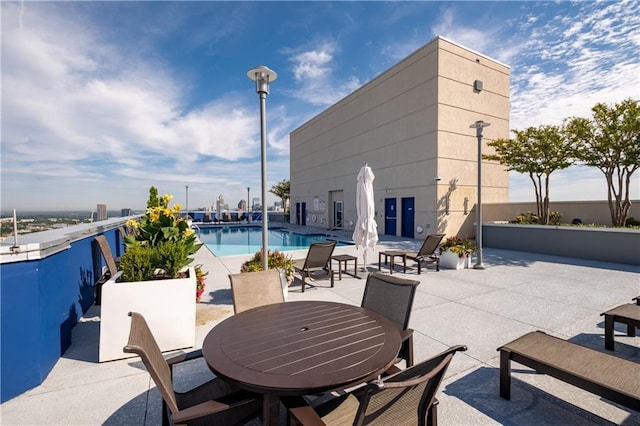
column 318, row 260
column 428, row 252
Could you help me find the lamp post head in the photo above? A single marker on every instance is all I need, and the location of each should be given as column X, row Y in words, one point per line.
column 479, row 125
column 262, row 76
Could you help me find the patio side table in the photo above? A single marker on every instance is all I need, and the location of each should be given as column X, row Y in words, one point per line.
column 628, row 314
column 345, row 258
column 392, row 254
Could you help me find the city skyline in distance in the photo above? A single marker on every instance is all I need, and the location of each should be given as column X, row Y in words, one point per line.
column 103, row 100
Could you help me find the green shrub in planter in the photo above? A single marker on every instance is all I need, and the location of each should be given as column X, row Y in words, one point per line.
column 171, row 257
column 138, row 263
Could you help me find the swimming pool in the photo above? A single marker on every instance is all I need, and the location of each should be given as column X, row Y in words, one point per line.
column 230, row 241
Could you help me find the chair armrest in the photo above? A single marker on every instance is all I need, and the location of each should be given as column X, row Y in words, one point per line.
column 184, row 356
column 200, row 410
column 301, row 411
column 406, row 334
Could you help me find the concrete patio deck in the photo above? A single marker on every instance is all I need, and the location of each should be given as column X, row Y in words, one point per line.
column 483, row 309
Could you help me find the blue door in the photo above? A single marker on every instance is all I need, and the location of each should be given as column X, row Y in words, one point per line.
column 301, row 214
column 390, row 216
column 408, row 217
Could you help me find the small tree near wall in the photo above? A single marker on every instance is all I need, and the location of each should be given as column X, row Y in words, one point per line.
column 610, row 141
column 538, row 152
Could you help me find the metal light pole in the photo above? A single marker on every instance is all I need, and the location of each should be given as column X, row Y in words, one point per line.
column 248, row 212
column 186, row 187
column 262, row 76
column 479, row 125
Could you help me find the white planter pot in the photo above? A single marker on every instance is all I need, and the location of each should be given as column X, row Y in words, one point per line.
column 450, row 260
column 168, row 306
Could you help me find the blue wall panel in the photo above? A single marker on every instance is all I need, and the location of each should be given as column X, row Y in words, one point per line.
column 20, row 328
column 40, row 303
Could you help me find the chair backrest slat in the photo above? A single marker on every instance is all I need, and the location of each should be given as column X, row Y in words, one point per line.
column 105, row 249
column 142, row 343
column 319, row 254
column 253, row 289
column 405, row 398
column 430, row 244
column 390, row 296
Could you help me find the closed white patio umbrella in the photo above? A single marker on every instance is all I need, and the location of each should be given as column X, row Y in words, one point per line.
column 365, row 233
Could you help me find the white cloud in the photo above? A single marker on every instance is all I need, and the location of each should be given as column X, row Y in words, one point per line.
column 580, row 60
column 315, row 75
column 77, row 108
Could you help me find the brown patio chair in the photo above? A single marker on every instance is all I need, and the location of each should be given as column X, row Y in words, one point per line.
column 105, row 250
column 318, row 260
column 253, row 289
column 215, row 402
column 405, row 398
column 428, row 252
column 393, row 297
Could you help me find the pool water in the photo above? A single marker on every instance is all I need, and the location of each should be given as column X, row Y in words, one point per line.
column 230, row 241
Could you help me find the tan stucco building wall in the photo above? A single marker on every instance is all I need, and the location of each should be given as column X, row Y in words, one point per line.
column 410, row 125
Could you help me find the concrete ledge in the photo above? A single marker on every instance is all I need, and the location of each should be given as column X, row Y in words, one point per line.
column 616, row 245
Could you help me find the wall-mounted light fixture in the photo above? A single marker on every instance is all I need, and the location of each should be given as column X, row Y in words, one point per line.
column 477, row 85
column 466, row 205
column 437, row 178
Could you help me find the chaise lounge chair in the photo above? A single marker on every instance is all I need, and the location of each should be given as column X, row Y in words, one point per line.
column 427, row 252
column 318, row 260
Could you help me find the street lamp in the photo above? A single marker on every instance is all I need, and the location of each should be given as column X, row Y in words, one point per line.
column 479, row 125
column 186, row 205
column 248, row 212
column 262, row 76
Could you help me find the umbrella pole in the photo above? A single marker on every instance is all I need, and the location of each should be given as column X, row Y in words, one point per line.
column 364, row 260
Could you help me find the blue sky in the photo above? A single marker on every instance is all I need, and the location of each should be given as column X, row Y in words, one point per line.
column 100, row 101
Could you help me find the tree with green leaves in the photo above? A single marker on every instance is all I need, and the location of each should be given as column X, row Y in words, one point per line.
column 537, row 151
column 282, row 190
column 153, row 200
column 610, row 141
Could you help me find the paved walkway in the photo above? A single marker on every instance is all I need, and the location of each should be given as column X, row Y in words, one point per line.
column 517, row 293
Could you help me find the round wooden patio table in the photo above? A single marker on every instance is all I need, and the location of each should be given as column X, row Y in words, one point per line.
column 300, row 348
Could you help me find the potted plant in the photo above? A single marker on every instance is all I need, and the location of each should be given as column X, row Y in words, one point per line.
column 277, row 260
column 155, row 279
column 455, row 252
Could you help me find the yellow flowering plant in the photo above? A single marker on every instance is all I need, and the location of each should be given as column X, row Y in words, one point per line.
column 167, row 235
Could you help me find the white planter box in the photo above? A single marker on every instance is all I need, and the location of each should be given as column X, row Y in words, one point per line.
column 168, row 306
column 450, row 260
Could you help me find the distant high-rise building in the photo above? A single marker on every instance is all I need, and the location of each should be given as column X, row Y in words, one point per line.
column 126, row 212
column 101, row 210
column 242, row 205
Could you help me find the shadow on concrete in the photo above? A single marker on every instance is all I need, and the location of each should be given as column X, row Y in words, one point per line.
column 528, row 405
column 499, row 257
